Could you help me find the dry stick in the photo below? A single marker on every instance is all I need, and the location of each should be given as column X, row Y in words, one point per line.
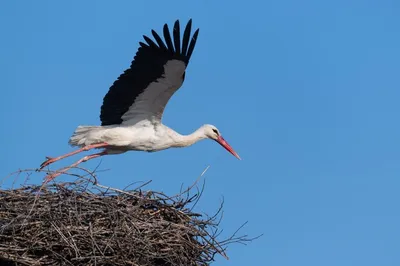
column 188, row 189
column 96, row 183
column 37, row 196
column 45, row 183
column 198, row 198
column 209, row 239
column 9, row 175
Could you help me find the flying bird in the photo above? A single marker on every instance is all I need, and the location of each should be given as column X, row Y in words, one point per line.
column 132, row 109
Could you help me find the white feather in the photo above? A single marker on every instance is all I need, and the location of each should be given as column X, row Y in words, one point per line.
column 147, row 137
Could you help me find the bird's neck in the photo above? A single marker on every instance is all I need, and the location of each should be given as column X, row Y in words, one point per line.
column 187, row 140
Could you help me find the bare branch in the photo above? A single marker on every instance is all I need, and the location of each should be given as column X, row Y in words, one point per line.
column 86, row 223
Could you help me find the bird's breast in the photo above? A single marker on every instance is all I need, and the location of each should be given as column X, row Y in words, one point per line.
column 140, row 137
column 151, row 139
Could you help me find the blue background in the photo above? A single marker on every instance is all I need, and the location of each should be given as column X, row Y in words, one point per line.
column 306, row 91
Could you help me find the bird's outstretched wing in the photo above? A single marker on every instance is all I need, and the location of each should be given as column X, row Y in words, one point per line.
column 156, row 73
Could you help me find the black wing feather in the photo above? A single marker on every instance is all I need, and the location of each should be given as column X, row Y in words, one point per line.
column 143, row 44
column 177, row 37
column 146, row 67
column 186, row 37
column 158, row 40
column 150, row 42
column 192, row 43
column 167, row 38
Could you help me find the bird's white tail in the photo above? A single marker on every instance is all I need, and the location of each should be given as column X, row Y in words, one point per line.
column 83, row 135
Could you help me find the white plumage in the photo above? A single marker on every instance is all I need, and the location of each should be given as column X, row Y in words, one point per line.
column 151, row 137
column 132, row 109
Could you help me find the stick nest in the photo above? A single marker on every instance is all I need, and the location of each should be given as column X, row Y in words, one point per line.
column 78, row 223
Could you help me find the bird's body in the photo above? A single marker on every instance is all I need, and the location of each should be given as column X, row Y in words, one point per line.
column 133, row 107
column 146, row 136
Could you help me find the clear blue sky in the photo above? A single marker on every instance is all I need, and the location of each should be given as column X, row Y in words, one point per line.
column 306, row 91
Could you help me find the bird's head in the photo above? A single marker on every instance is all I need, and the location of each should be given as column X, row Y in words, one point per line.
column 213, row 133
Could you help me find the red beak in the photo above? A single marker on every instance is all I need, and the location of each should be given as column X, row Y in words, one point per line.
column 228, row 147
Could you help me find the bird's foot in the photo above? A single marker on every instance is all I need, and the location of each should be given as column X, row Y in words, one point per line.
column 49, row 160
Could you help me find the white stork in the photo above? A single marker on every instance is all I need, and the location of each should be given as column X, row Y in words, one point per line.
column 133, row 107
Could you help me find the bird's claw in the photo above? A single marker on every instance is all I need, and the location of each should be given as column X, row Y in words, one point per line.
column 48, row 161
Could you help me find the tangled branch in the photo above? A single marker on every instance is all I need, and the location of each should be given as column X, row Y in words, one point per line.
column 85, row 223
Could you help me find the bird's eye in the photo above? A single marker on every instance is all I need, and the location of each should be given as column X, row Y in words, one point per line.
column 215, row 131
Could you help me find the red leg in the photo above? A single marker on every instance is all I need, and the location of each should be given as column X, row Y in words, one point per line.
column 64, row 170
column 86, row 148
